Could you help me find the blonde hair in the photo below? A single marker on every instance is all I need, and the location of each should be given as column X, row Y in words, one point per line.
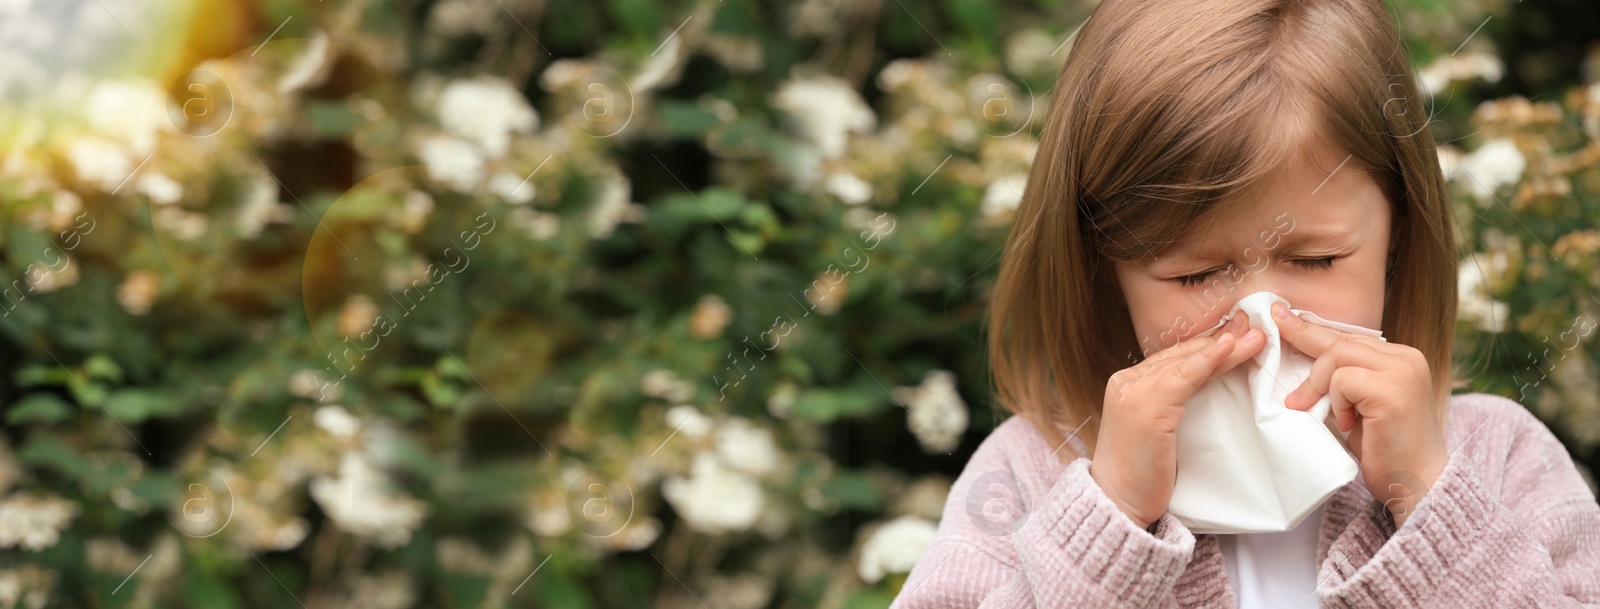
column 1164, row 110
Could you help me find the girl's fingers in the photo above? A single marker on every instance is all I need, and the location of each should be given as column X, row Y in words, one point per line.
column 1346, row 381
column 1184, row 348
column 1193, row 371
column 1320, row 380
column 1311, row 339
column 1244, row 348
column 1190, row 346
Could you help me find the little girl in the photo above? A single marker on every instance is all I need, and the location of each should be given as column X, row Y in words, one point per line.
column 1198, row 151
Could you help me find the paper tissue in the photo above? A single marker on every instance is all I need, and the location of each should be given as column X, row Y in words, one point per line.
column 1246, row 462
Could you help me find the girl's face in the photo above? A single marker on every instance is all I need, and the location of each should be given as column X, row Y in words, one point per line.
column 1319, row 236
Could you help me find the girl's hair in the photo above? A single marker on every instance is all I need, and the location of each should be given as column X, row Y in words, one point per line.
column 1163, row 111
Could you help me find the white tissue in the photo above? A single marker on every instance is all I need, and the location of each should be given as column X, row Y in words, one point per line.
column 1246, row 462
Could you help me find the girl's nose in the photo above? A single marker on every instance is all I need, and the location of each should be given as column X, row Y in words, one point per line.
column 1261, row 279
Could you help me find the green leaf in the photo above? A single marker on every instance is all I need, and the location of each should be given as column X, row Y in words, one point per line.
column 854, row 491
column 684, row 119
column 38, row 374
column 463, row 590
column 331, row 119
column 869, row 599
column 636, row 16
column 440, row 392
column 977, row 17
column 101, row 476
column 38, row 408
column 205, row 590
column 132, row 406
column 451, row 368
column 826, row 404
column 556, row 590
column 49, row 452
column 99, row 366
column 400, row 407
column 678, row 211
column 747, row 242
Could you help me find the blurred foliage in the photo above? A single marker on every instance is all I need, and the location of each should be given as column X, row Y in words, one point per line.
column 511, row 303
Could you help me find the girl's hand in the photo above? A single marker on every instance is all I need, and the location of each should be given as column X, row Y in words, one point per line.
column 1384, row 392
column 1135, row 461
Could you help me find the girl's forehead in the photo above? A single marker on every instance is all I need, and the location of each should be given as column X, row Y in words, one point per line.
column 1278, row 219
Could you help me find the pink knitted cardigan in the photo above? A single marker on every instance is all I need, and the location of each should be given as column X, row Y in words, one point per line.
column 1508, row 523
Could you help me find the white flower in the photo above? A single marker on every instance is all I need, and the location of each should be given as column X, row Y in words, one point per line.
column 184, row 225
column 901, row 72
column 714, row 498
column 363, row 502
column 310, row 68
column 547, row 514
column 139, row 291
column 308, row 383
column 864, row 221
column 1003, row 195
column 513, row 189
column 709, row 317
column 27, row 586
column 99, row 163
column 33, row 522
column 636, row 535
column 1449, row 161
column 414, row 213
column 260, row 207
column 1033, row 51
column 451, row 162
column 748, row 447
column 562, row 72
column 110, row 555
column 1475, row 305
column 161, row 189
column 688, row 421
column 1434, row 77
column 133, row 111
column 781, row 402
column 612, row 207
column 462, row 556
column 825, row 110
column 486, row 110
column 935, row 412
column 457, row 17
column 64, row 208
column 667, row 385
column 392, row 590
column 51, row 280
column 337, row 421
column 895, row 547
column 662, row 68
column 1494, row 164
column 537, row 225
column 848, row 187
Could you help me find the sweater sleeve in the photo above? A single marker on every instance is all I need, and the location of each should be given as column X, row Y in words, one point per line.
column 1001, row 545
column 1508, row 523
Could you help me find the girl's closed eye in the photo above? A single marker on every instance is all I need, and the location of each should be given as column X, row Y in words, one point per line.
column 1318, row 264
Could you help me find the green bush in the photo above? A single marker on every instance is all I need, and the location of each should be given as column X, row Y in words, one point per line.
column 594, row 304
